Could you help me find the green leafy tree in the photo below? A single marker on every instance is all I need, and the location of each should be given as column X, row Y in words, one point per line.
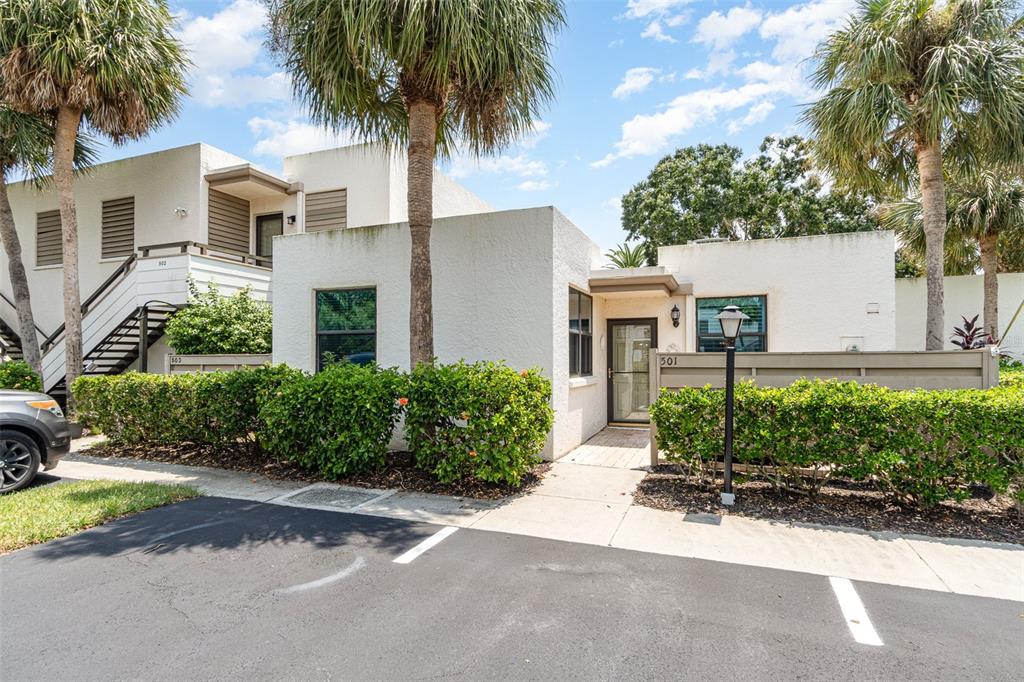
column 626, row 256
column 420, row 75
column 985, row 217
column 706, row 191
column 25, row 144
column 113, row 64
column 912, row 87
column 212, row 323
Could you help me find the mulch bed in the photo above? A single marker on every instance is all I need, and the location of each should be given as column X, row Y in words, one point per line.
column 400, row 472
column 839, row 504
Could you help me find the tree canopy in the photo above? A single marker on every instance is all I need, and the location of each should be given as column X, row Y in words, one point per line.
column 708, row 191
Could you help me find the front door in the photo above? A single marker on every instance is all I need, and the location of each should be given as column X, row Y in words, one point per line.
column 629, row 346
column 268, row 227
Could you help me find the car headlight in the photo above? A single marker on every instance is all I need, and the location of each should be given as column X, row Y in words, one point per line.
column 50, row 406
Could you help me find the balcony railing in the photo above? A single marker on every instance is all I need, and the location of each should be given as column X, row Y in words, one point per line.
column 208, row 250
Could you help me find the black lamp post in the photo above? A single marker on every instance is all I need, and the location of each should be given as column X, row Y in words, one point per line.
column 731, row 318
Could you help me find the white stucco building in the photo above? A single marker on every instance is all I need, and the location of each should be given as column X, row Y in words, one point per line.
column 326, row 241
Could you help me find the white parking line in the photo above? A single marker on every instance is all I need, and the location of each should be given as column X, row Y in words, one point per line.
column 340, row 575
column 425, row 545
column 853, row 611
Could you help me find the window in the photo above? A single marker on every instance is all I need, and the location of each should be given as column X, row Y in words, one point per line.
column 753, row 333
column 268, row 227
column 118, row 233
column 49, row 250
column 581, row 330
column 346, row 326
column 327, row 210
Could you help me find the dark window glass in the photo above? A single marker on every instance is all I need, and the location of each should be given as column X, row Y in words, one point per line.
column 268, row 227
column 753, row 336
column 346, row 326
column 581, row 329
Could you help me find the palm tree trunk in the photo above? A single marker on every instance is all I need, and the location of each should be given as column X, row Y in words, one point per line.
column 422, row 141
column 19, row 281
column 68, row 120
column 933, row 201
column 990, row 267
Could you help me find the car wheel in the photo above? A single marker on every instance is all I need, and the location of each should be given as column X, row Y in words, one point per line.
column 19, row 460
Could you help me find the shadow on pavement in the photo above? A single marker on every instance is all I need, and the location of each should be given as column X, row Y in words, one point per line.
column 214, row 523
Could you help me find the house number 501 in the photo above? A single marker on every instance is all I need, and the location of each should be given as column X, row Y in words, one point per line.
column 668, row 361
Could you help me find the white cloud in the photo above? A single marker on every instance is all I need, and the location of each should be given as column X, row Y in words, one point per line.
column 533, row 185
column 222, row 45
column 797, row 30
column 647, row 134
column 640, row 9
column 618, row 42
column 755, row 114
column 538, row 132
column 762, row 71
column 635, row 81
column 285, row 138
column 499, row 165
column 655, row 32
column 722, row 30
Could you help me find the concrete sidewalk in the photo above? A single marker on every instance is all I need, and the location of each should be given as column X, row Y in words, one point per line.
column 594, row 505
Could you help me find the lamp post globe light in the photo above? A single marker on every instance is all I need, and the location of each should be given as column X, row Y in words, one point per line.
column 731, row 318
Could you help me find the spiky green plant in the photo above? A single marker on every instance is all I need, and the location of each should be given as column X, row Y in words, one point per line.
column 424, row 75
column 113, row 64
column 914, row 86
column 985, row 216
column 626, row 256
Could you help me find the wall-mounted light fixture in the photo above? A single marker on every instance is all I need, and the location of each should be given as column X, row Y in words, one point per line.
column 291, row 220
column 675, row 315
column 181, row 212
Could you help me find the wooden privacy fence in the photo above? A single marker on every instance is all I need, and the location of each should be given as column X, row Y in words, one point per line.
column 899, row 370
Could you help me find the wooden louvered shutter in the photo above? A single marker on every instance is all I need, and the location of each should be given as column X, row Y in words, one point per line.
column 327, row 210
column 118, row 228
column 229, row 222
column 49, row 250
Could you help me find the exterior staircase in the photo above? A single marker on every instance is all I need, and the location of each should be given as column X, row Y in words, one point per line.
column 10, row 343
column 129, row 311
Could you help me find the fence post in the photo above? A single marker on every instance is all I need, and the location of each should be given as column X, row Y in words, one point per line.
column 654, row 380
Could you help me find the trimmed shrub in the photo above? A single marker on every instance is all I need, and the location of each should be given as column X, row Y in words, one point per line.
column 337, row 422
column 18, row 375
column 212, row 408
column 1011, row 374
column 482, row 420
column 213, row 324
column 921, row 446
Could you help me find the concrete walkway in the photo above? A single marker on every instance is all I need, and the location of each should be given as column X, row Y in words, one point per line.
column 614, row 446
column 593, row 505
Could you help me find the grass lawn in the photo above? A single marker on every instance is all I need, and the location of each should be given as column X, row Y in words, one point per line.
column 45, row 513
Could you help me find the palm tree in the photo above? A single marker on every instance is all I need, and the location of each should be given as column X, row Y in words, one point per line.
column 916, row 86
column 626, row 256
column 113, row 64
column 985, row 215
column 26, row 143
column 426, row 75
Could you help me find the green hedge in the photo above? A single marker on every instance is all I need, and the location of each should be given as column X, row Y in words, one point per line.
column 482, row 420
column 338, row 422
column 486, row 420
column 18, row 375
column 212, row 408
column 921, row 446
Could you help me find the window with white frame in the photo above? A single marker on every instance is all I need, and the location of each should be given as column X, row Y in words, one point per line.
column 581, row 334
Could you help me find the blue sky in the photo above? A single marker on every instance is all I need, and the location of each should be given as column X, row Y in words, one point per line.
column 636, row 79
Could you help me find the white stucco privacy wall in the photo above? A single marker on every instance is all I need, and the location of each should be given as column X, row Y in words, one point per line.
column 823, row 293
column 160, row 183
column 962, row 295
column 492, row 287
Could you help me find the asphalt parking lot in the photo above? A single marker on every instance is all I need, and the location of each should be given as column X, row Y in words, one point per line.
column 224, row 589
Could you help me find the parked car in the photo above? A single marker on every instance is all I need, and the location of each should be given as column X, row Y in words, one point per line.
column 33, row 432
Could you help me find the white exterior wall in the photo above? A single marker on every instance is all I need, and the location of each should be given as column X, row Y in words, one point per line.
column 376, row 182
column 492, row 287
column 580, row 403
column 160, row 182
column 962, row 296
column 818, row 289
